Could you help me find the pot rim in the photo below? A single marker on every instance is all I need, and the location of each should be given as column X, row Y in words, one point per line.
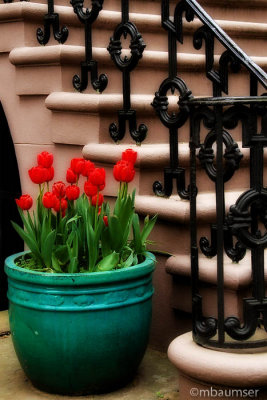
column 68, row 279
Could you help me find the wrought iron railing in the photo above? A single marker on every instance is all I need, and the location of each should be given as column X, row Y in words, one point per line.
column 234, row 230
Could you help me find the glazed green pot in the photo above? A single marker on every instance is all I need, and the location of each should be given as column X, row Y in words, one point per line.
column 80, row 333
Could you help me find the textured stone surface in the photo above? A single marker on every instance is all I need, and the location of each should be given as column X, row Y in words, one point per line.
column 232, row 374
column 156, row 378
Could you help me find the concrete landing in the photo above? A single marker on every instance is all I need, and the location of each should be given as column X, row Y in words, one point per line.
column 156, row 379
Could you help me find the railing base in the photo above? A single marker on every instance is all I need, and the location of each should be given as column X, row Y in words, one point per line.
column 206, row 374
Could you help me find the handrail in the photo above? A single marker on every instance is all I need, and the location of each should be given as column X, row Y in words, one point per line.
column 191, row 9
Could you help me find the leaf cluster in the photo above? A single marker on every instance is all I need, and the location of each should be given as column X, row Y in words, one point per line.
column 80, row 241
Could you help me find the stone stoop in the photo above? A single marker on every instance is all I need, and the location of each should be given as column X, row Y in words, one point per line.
column 45, row 112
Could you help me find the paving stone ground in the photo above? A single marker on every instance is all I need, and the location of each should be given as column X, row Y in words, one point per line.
column 156, row 379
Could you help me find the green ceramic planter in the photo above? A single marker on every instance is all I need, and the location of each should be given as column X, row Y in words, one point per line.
column 80, row 333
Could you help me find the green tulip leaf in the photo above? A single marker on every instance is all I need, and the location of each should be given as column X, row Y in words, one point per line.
column 73, row 265
column 62, row 255
column 129, row 261
column 47, row 248
column 30, row 241
column 116, row 233
column 55, row 264
column 137, row 240
column 148, row 226
column 109, row 262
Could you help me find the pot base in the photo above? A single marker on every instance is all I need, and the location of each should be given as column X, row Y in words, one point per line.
column 85, row 392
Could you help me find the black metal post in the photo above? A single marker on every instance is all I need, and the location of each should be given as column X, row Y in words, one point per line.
column 89, row 65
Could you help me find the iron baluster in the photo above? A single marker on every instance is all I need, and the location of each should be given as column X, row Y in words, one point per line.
column 220, row 214
column 126, row 65
column 87, row 17
column 240, row 228
column 244, row 217
column 51, row 19
column 171, row 121
column 203, row 328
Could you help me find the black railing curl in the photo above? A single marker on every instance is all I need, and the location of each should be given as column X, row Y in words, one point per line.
column 89, row 65
column 240, row 228
column 126, row 65
column 51, row 19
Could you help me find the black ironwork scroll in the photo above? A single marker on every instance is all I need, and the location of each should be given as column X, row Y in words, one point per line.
column 172, row 121
column 242, row 222
column 126, row 65
column 51, row 19
column 245, row 220
column 87, row 17
column 244, row 226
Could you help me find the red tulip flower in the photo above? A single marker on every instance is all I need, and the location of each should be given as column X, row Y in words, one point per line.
column 60, row 204
column 72, row 192
column 105, row 219
column 129, row 155
column 59, row 189
column 89, row 189
column 98, row 177
column 77, row 165
column 100, row 200
column 49, row 200
column 50, row 174
column 24, row 202
column 71, row 177
column 45, row 159
column 88, row 168
column 39, row 174
column 123, row 171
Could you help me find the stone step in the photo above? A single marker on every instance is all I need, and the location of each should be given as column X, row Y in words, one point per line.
column 176, row 210
column 245, row 10
column 102, row 109
column 57, row 65
column 237, row 283
column 236, row 275
column 153, row 158
column 249, row 35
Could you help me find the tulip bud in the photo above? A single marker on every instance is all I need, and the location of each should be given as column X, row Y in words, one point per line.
column 89, row 189
column 72, row 192
column 71, row 177
column 60, row 204
column 50, row 174
column 45, row 159
column 59, row 189
column 38, row 174
column 24, row 202
column 123, row 171
column 77, row 165
column 98, row 177
column 105, row 219
column 49, row 200
column 88, row 168
column 129, row 155
column 100, row 200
